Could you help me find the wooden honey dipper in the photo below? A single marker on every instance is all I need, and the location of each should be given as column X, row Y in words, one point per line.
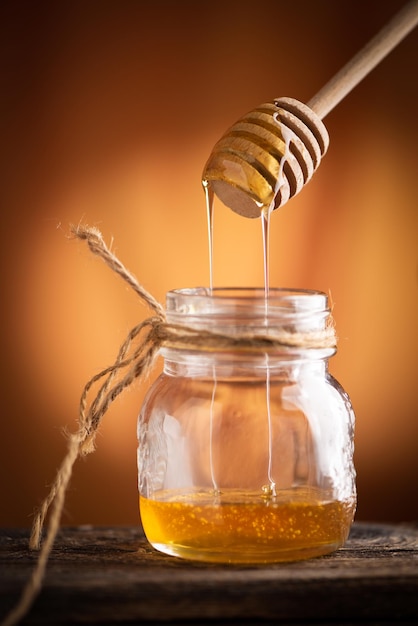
column 268, row 155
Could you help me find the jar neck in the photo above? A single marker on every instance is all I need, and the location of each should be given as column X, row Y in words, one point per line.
column 240, row 330
column 238, row 366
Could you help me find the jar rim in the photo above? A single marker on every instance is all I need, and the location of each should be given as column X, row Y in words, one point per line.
column 202, row 300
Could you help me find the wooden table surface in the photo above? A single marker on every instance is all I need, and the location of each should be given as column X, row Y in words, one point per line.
column 111, row 576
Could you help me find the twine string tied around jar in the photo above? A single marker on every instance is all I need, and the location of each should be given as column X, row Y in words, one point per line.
column 135, row 360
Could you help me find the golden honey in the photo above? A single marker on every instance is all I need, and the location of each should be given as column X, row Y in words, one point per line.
column 238, row 527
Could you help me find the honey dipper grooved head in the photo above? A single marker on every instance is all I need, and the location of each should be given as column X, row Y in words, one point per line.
column 266, row 157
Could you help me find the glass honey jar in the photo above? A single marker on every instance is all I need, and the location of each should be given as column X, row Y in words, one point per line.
column 245, row 448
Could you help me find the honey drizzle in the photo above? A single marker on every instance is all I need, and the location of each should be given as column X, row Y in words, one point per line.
column 269, row 490
column 209, row 196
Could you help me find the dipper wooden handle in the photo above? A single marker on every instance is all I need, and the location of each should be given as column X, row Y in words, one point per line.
column 271, row 153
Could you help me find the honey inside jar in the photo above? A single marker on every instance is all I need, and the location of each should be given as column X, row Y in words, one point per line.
column 242, row 527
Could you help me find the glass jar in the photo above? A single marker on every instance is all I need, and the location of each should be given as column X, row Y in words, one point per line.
column 246, row 451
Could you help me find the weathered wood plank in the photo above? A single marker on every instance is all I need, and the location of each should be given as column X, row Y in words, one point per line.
column 112, row 576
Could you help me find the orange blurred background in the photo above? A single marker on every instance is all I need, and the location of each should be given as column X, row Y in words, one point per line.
column 110, row 110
